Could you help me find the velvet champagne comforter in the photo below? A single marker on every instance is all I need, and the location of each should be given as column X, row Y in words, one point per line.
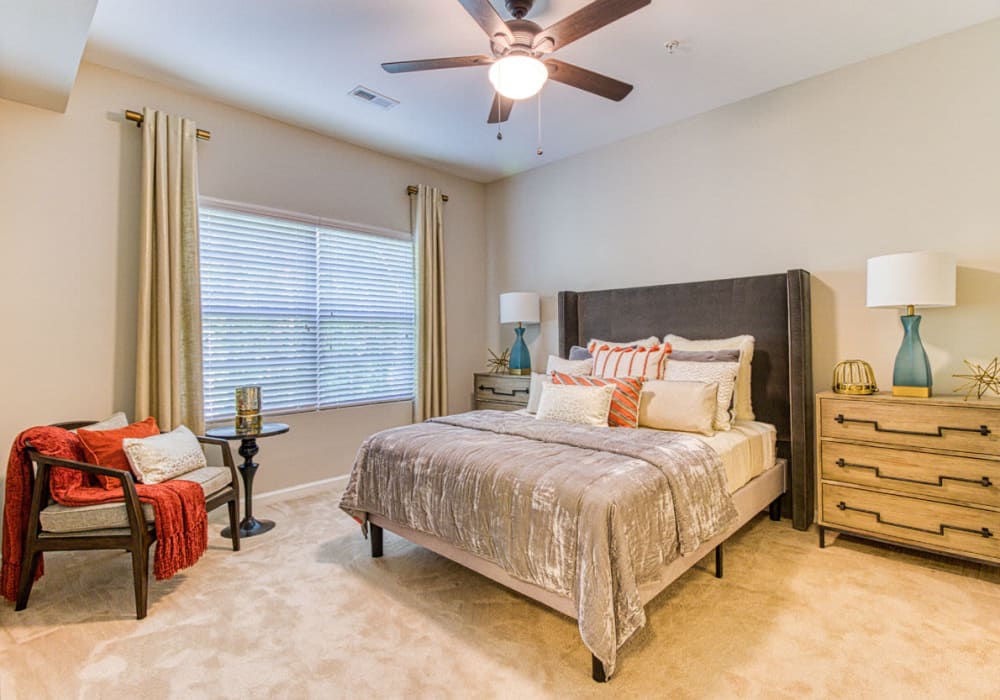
column 589, row 513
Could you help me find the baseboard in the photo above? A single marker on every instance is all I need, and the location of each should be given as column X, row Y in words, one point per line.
column 300, row 489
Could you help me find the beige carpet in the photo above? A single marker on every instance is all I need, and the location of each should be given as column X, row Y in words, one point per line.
column 303, row 612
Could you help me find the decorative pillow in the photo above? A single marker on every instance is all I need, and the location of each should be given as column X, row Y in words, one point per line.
column 558, row 364
column 743, row 343
column 115, row 422
column 535, row 391
column 650, row 342
column 165, row 456
column 624, row 411
column 588, row 405
column 104, row 447
column 579, row 353
column 705, row 355
column 685, row 406
column 630, row 362
column 721, row 373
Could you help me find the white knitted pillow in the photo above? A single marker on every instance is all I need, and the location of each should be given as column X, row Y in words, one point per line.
column 570, row 403
column 164, row 456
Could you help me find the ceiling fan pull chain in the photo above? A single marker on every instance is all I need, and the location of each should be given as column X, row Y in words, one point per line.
column 539, row 151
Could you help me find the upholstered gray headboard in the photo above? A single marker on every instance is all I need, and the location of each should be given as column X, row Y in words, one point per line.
column 772, row 308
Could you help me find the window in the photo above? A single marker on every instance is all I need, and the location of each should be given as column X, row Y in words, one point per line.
column 317, row 315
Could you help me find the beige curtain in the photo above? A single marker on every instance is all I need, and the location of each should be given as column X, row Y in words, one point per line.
column 427, row 216
column 168, row 363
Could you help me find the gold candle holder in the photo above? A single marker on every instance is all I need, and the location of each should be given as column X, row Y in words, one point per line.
column 247, row 400
column 248, row 425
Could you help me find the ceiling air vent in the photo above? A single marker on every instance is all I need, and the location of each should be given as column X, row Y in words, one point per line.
column 373, row 98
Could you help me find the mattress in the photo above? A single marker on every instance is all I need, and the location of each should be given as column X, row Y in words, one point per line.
column 746, row 450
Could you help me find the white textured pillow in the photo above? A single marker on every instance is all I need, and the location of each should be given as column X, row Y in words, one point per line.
column 744, row 343
column 721, row 373
column 117, row 421
column 164, row 456
column 570, row 403
column 558, row 364
column 535, row 391
column 650, row 342
column 676, row 405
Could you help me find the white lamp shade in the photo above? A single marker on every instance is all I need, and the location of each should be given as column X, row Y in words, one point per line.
column 519, row 307
column 917, row 279
column 518, row 77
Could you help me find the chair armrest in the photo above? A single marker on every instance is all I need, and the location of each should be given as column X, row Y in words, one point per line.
column 45, row 463
column 227, row 454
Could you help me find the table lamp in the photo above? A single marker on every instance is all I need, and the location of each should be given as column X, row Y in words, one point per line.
column 519, row 308
column 910, row 280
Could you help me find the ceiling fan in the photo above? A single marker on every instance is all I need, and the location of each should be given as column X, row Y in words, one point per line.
column 518, row 66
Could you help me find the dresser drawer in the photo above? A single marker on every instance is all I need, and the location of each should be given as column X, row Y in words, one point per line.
column 974, row 481
column 968, row 531
column 497, row 406
column 502, row 388
column 929, row 425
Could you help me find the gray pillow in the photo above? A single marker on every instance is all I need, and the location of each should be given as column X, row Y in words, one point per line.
column 705, row 355
column 578, row 353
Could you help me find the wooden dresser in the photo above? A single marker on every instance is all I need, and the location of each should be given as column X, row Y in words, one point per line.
column 501, row 392
column 924, row 473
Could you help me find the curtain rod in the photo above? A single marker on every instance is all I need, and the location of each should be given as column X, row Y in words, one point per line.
column 137, row 118
column 412, row 189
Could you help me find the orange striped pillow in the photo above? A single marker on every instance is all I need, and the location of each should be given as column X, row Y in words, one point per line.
column 624, row 402
column 644, row 363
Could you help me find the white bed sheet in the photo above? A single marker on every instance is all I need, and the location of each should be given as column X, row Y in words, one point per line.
column 746, row 450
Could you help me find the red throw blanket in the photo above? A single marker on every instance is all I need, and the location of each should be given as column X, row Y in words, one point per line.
column 181, row 520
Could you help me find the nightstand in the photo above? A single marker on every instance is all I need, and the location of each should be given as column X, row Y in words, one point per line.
column 501, row 392
column 924, row 473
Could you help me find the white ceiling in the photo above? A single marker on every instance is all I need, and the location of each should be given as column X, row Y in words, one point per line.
column 296, row 60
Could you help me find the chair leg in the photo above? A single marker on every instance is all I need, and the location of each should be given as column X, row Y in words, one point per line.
column 28, row 564
column 140, row 576
column 234, row 526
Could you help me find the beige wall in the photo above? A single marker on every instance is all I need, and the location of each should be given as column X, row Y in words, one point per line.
column 897, row 153
column 68, row 228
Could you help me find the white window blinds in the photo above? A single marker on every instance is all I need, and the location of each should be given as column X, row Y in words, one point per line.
column 317, row 316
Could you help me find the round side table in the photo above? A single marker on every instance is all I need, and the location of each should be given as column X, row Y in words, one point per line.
column 249, row 526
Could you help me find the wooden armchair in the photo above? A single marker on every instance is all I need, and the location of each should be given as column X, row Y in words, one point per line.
column 126, row 525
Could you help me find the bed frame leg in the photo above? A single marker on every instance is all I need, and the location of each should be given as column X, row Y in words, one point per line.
column 718, row 561
column 774, row 510
column 375, row 533
column 597, row 669
column 822, row 537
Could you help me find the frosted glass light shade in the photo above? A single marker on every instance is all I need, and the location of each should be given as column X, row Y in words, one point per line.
column 518, row 77
column 912, row 279
column 519, row 307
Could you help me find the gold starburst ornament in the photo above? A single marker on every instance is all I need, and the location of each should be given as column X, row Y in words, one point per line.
column 499, row 363
column 980, row 379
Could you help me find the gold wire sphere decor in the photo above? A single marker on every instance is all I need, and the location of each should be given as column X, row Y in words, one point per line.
column 854, row 377
column 499, row 363
column 980, row 379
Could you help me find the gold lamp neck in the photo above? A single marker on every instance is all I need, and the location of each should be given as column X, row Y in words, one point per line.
column 910, row 311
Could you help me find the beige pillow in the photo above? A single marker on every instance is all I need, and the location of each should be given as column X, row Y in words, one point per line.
column 116, row 421
column 676, row 405
column 744, row 343
column 570, row 403
column 721, row 373
column 535, row 391
column 164, row 456
column 558, row 364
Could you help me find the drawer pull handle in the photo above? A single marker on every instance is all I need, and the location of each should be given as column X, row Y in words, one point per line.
column 981, row 430
column 493, row 390
column 984, row 532
column 985, row 481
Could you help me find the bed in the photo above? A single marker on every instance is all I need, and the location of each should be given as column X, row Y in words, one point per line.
column 460, row 466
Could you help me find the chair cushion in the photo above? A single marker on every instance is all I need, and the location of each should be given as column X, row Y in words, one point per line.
column 57, row 518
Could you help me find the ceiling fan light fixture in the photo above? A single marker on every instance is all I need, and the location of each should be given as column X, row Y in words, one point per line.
column 518, row 77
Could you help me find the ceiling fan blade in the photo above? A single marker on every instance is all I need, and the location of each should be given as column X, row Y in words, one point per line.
column 500, row 109
column 588, row 80
column 436, row 63
column 584, row 21
column 487, row 18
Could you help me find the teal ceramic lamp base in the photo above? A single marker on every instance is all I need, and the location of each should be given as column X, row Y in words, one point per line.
column 911, row 375
column 520, row 358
